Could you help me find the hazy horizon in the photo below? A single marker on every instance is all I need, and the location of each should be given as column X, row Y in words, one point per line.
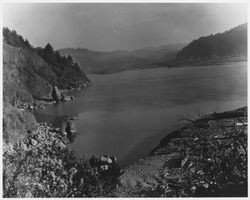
column 120, row 26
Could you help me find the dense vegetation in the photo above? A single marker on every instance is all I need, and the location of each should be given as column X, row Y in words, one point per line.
column 12, row 38
column 40, row 165
column 229, row 43
column 62, row 66
column 30, row 73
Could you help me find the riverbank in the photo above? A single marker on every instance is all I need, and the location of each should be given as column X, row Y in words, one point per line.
column 194, row 161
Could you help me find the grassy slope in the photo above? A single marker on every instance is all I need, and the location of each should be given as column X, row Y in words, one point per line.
column 27, row 75
column 23, row 76
column 21, row 69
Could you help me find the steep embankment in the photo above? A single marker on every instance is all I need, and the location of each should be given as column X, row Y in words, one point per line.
column 30, row 73
column 116, row 61
column 25, row 74
column 207, row 157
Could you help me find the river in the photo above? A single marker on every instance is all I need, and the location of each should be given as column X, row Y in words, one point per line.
column 126, row 114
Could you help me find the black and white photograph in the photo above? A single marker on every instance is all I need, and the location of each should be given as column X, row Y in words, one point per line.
column 124, row 99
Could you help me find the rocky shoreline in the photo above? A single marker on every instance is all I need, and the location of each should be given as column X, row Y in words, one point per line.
column 158, row 173
column 41, row 165
column 167, row 170
column 56, row 96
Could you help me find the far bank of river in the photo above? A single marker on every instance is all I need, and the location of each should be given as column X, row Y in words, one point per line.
column 126, row 114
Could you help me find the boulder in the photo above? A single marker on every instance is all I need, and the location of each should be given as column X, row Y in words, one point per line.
column 30, row 107
column 66, row 98
column 33, row 142
column 105, row 165
column 70, row 131
column 56, row 94
column 105, row 160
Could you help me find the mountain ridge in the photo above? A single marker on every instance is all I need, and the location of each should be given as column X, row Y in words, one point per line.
column 120, row 60
column 231, row 42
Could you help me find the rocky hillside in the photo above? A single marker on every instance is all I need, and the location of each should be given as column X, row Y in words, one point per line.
column 115, row 61
column 205, row 158
column 36, row 160
column 230, row 43
column 30, row 73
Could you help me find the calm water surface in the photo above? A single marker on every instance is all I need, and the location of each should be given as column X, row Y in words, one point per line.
column 126, row 114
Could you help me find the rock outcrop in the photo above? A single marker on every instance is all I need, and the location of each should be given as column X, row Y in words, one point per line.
column 56, row 94
column 105, row 165
column 66, row 98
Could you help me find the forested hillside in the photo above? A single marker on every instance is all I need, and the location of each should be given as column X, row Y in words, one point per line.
column 30, row 73
column 215, row 46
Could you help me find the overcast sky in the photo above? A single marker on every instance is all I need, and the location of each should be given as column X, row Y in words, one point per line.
column 120, row 26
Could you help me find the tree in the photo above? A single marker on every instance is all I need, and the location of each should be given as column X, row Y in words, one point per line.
column 70, row 60
column 48, row 49
column 12, row 38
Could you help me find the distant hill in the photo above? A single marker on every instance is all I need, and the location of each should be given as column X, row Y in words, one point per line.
column 30, row 72
column 115, row 61
column 230, row 43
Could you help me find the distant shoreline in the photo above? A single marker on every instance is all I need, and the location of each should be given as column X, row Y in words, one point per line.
column 206, row 62
column 175, row 64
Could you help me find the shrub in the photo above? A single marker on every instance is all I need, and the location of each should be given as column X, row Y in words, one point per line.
column 42, row 166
